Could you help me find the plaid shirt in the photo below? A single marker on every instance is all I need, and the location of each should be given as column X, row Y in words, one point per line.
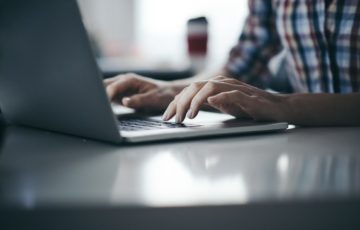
column 320, row 39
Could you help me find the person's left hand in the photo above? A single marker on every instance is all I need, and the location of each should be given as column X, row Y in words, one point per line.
column 228, row 96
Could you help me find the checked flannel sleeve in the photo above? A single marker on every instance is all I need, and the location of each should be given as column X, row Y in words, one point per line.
column 258, row 43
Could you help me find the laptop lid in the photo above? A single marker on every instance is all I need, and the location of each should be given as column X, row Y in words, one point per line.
column 48, row 75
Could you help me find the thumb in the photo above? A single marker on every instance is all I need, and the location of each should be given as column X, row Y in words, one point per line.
column 142, row 101
column 222, row 103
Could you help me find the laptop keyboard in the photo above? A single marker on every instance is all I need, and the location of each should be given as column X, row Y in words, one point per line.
column 139, row 124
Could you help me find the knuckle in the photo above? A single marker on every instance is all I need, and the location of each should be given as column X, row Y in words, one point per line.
column 226, row 96
column 237, row 93
column 183, row 91
column 124, row 76
column 197, row 85
column 219, row 77
column 232, row 81
column 255, row 98
column 211, row 85
column 133, row 75
column 129, row 76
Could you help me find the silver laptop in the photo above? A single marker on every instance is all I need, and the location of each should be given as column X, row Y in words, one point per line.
column 49, row 79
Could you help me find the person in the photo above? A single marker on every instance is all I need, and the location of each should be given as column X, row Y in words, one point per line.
column 320, row 43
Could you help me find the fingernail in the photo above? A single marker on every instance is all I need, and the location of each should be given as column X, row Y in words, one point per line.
column 125, row 101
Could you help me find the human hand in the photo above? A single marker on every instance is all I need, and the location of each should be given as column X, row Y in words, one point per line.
column 141, row 93
column 228, row 96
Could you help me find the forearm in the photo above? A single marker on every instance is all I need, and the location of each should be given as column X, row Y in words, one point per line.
column 323, row 109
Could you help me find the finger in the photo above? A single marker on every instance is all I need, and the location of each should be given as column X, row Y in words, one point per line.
column 251, row 105
column 170, row 110
column 210, row 89
column 109, row 81
column 236, row 111
column 234, row 97
column 259, row 110
column 185, row 98
column 253, row 112
column 227, row 102
column 120, row 86
column 140, row 101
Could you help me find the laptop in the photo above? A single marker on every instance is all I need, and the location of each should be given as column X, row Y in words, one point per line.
column 49, row 79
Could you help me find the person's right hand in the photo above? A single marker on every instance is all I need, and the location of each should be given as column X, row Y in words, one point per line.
column 141, row 93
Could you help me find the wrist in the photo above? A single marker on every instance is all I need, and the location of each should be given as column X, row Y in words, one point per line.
column 295, row 108
column 286, row 113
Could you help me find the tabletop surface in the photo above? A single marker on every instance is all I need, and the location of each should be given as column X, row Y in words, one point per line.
column 40, row 168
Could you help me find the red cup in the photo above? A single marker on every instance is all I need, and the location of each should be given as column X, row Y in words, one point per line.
column 197, row 36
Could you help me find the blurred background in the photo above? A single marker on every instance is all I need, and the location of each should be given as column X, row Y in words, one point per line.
column 131, row 35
